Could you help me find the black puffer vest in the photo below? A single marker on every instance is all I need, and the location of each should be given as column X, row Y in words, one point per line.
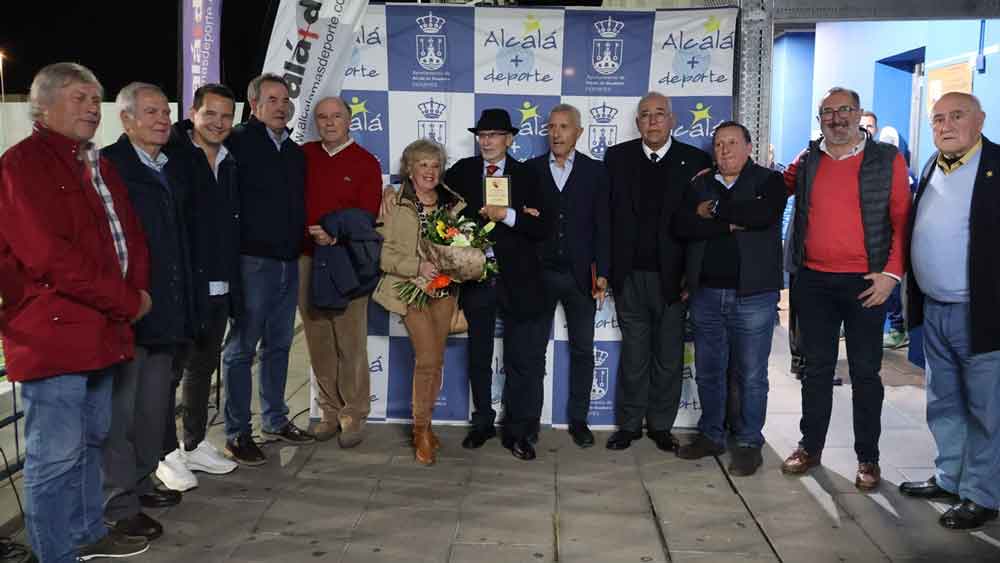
column 875, row 184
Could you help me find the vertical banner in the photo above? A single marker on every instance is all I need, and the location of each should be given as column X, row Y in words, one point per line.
column 201, row 28
column 311, row 46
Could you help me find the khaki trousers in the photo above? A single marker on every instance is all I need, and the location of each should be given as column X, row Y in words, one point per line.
column 338, row 351
column 428, row 328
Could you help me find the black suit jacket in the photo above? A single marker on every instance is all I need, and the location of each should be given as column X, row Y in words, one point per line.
column 517, row 249
column 624, row 162
column 589, row 220
column 984, row 267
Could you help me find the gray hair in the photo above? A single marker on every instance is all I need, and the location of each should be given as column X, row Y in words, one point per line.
column 130, row 93
column 650, row 95
column 253, row 89
column 54, row 77
column 841, row 90
column 419, row 150
column 567, row 108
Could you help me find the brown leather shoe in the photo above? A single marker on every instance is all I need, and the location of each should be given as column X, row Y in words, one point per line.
column 869, row 476
column 800, row 461
column 325, row 430
column 422, row 442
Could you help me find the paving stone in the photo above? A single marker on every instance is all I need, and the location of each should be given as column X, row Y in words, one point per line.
column 507, row 519
column 280, row 549
column 377, row 553
column 329, row 510
column 682, row 556
column 501, row 553
column 631, row 538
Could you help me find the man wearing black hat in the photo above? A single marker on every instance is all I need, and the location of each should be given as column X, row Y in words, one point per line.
column 514, row 294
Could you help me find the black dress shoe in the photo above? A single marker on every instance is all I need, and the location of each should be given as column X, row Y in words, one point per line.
column 582, row 436
column 523, row 450
column 478, row 436
column 622, row 439
column 967, row 515
column 160, row 498
column 926, row 489
column 141, row 525
column 664, row 439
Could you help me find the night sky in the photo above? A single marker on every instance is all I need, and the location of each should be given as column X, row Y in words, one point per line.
column 123, row 41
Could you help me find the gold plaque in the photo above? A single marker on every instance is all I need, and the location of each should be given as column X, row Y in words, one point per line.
column 496, row 191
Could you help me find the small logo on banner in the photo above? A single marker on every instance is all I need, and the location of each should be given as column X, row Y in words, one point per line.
column 606, row 57
column 700, row 55
column 603, row 132
column 602, row 376
column 362, row 119
column 515, row 60
column 432, row 45
column 432, row 126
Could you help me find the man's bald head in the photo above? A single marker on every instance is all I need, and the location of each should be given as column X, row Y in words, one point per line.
column 957, row 123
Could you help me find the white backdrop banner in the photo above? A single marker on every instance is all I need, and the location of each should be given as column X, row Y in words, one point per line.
column 310, row 46
column 427, row 71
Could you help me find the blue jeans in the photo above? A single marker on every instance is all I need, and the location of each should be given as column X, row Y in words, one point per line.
column 270, row 292
column 894, row 310
column 66, row 421
column 732, row 330
column 963, row 405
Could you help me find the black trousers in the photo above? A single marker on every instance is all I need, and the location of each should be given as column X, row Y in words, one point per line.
column 524, row 343
column 652, row 361
column 824, row 301
column 580, row 308
column 193, row 371
column 478, row 301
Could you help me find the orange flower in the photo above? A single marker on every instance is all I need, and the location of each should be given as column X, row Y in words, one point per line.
column 440, row 282
column 452, row 231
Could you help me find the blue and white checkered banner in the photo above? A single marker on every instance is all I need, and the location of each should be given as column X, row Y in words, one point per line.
column 428, row 71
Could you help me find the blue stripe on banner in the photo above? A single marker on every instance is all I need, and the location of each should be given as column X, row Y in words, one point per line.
column 201, row 28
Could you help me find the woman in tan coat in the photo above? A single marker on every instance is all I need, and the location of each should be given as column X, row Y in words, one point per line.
column 403, row 217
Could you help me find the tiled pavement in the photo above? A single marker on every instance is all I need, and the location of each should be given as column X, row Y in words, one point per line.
column 373, row 504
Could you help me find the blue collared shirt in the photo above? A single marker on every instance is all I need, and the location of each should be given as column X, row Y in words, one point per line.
column 277, row 140
column 156, row 164
column 561, row 173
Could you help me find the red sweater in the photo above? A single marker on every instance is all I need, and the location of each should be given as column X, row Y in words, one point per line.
column 835, row 241
column 349, row 179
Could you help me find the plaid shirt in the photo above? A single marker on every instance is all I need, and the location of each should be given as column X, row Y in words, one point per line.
column 91, row 158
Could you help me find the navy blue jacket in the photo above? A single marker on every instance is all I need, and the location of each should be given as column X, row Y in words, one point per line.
column 272, row 192
column 213, row 223
column 161, row 211
column 349, row 269
column 589, row 221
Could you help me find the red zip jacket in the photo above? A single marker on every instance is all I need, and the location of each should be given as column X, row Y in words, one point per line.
column 66, row 307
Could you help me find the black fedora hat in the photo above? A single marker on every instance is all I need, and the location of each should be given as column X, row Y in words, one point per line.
column 494, row 119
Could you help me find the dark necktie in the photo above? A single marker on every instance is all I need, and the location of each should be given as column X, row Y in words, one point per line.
column 491, row 169
column 654, row 157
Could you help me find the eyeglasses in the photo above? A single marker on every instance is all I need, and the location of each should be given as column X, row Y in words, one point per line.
column 829, row 113
column 487, row 135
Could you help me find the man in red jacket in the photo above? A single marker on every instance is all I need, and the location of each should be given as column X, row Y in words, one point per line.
column 73, row 277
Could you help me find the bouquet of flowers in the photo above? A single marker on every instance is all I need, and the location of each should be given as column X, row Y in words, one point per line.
column 459, row 249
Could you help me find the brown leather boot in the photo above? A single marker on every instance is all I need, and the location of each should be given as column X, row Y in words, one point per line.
column 434, row 439
column 424, row 447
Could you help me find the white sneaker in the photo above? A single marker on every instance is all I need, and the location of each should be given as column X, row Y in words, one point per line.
column 174, row 474
column 208, row 459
